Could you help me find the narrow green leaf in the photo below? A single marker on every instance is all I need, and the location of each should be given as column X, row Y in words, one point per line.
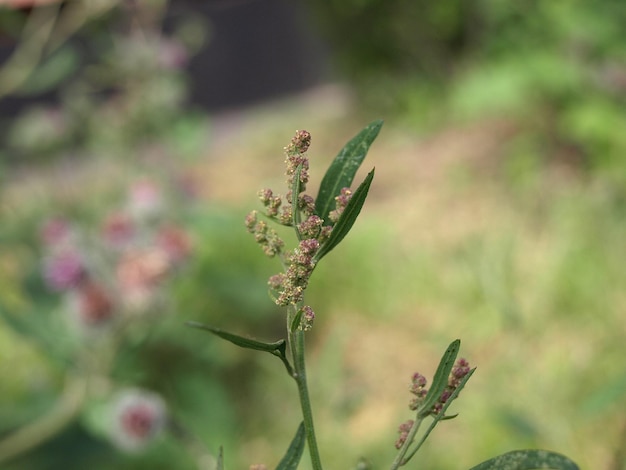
column 347, row 218
column 341, row 171
column 295, row 322
column 278, row 348
column 220, row 460
column 527, row 460
column 274, row 348
column 292, row 458
column 440, row 380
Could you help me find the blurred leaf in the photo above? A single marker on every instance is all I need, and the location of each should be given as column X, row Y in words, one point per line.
column 292, row 458
column 52, row 71
column 341, row 171
column 40, row 332
column 527, row 460
column 440, row 380
column 611, row 392
column 347, row 218
column 518, row 423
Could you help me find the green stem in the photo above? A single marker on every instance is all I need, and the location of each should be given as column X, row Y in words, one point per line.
column 39, row 431
column 297, row 350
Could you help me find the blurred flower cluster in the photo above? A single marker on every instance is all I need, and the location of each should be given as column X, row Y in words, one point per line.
column 110, row 275
column 118, row 270
column 129, row 74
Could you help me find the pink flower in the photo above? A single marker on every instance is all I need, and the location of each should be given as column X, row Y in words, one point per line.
column 91, row 306
column 145, row 198
column 118, row 229
column 175, row 242
column 138, row 417
column 64, row 270
column 138, row 275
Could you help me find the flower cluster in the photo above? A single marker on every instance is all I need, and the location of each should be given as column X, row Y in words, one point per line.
column 404, row 430
column 459, row 371
column 342, row 201
column 122, row 268
column 288, row 287
column 418, row 386
column 293, row 282
column 308, row 316
column 264, row 235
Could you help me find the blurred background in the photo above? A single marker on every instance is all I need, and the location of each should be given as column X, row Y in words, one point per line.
column 134, row 137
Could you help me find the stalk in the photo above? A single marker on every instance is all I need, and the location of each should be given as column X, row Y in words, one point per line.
column 296, row 339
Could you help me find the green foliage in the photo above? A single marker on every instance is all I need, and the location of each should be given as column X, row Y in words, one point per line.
column 342, row 170
column 440, row 380
column 527, row 460
column 347, row 218
column 292, row 458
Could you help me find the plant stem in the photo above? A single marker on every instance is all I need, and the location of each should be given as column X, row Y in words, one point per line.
column 48, row 425
column 297, row 350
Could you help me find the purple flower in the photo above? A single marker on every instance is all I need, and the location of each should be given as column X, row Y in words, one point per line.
column 64, row 270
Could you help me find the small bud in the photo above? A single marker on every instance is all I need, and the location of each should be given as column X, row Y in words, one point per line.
column 300, row 142
column 308, row 316
column 310, row 228
column 404, row 430
column 251, row 220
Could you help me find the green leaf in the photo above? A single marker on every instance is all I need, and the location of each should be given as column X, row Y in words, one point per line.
column 220, row 460
column 347, row 218
column 52, row 71
column 295, row 322
column 278, row 348
column 292, row 458
column 440, row 380
column 341, row 171
column 274, row 348
column 527, row 460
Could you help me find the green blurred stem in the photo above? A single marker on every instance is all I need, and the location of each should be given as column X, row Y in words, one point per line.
column 45, row 427
column 296, row 341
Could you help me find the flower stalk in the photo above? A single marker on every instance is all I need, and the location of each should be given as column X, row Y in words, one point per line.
column 297, row 343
